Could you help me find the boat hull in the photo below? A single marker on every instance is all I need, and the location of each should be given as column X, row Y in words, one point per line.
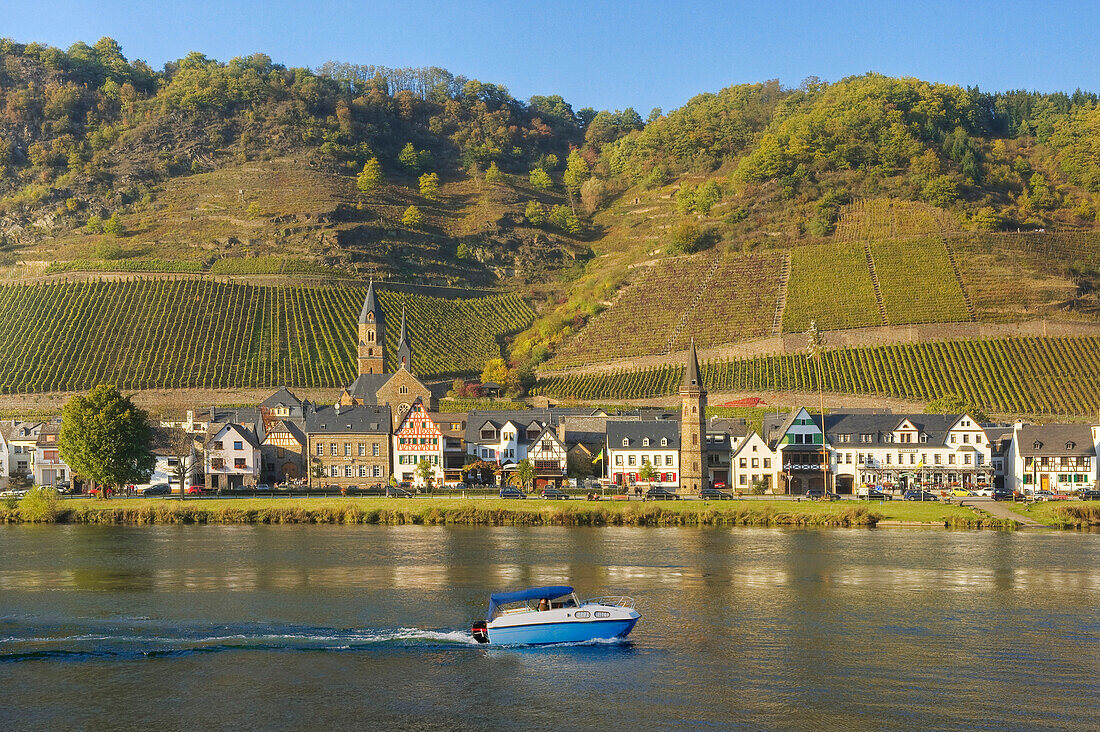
column 562, row 632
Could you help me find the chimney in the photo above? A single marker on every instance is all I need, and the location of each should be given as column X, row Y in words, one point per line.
column 336, row 406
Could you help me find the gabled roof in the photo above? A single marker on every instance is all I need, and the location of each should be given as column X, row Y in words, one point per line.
column 369, row 419
column 935, row 426
column 548, row 432
column 520, row 417
column 365, row 387
column 283, row 397
column 750, row 439
column 635, row 431
column 243, row 431
column 1057, row 440
column 775, row 435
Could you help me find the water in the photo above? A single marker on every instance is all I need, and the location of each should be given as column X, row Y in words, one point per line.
column 257, row 627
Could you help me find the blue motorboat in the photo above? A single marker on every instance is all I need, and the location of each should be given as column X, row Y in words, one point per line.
column 543, row 615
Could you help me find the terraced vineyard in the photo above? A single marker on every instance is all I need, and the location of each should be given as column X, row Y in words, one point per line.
column 917, row 281
column 204, row 334
column 885, row 218
column 832, row 284
column 1013, row 276
column 1009, row 375
column 716, row 303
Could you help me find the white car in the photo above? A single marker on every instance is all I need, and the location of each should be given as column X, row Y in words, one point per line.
column 984, row 492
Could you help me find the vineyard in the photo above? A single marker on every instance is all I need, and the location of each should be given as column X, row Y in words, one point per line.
column 1008, row 375
column 202, row 334
column 884, row 218
column 917, row 281
column 1011, row 276
column 713, row 300
column 832, row 284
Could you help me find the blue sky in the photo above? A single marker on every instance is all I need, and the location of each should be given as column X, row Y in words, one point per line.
column 643, row 54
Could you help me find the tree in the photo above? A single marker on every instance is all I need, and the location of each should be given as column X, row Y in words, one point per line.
column 94, row 225
column 576, row 172
column 371, row 176
column 412, row 218
column 409, row 158
column 647, row 472
column 565, row 219
column 106, row 439
column 429, row 186
column 493, row 174
column 426, row 473
column 540, row 179
column 955, row 404
column 181, row 444
column 525, row 474
column 495, row 370
column 535, row 214
column 113, row 225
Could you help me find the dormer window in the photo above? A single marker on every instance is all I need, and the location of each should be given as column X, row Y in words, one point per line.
column 664, row 442
column 1071, row 445
column 645, row 442
column 1038, row 445
column 626, row 442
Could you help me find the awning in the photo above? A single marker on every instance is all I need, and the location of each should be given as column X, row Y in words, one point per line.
column 532, row 593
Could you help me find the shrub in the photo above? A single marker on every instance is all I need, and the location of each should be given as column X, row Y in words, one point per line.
column 39, row 505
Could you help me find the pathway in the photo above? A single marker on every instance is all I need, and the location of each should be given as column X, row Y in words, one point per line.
column 999, row 510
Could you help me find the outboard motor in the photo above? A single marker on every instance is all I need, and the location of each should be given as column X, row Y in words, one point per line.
column 480, row 631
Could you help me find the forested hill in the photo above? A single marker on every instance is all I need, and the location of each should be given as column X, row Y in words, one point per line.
column 250, row 167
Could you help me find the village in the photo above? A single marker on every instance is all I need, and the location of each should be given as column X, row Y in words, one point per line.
column 384, row 433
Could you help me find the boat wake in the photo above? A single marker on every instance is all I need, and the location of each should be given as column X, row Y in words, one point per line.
column 143, row 640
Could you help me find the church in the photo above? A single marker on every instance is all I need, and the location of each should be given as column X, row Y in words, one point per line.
column 374, row 385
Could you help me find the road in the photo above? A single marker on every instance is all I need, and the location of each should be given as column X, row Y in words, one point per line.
column 999, row 510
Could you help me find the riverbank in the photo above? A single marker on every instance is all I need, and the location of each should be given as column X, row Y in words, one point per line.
column 1060, row 514
column 496, row 512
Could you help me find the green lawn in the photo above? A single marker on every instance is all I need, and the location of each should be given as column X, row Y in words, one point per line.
column 1060, row 514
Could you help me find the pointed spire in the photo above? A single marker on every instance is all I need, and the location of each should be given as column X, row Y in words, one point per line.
column 370, row 304
column 404, row 350
column 692, row 382
column 404, row 333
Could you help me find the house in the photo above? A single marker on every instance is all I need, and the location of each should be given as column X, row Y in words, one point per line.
column 165, row 450
column 418, row 438
column 753, row 466
column 19, row 440
column 800, row 453
column 632, row 444
column 503, row 436
column 1054, row 457
column 896, row 451
column 47, row 467
column 452, row 425
column 282, row 449
column 349, row 446
column 232, row 458
column 549, row 457
column 723, row 435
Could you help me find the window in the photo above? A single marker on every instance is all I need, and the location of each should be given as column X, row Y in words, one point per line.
column 216, row 445
column 631, row 460
column 332, row 449
column 744, row 463
column 618, row 459
column 362, row 471
column 320, row 448
column 668, row 460
column 756, row 462
column 347, row 449
column 238, row 445
column 861, row 458
column 362, row 449
column 939, row 459
column 376, row 471
column 626, row 442
column 966, row 439
column 488, row 434
column 238, row 463
column 334, row 471
column 582, row 614
column 664, row 442
column 741, row 479
column 847, row 458
column 348, row 471
column 768, row 463
column 951, row 459
column 602, row 614
column 374, row 450
column 645, row 442
column 966, row 459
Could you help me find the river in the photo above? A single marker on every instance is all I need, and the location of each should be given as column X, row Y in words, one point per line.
column 366, row 627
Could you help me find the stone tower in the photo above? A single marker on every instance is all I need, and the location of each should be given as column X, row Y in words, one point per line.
column 693, row 422
column 404, row 350
column 372, row 336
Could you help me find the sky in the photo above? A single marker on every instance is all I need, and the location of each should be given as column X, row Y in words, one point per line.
column 607, row 55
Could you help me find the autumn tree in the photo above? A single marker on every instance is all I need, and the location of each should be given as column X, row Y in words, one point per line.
column 493, row 174
column 412, row 218
column 495, row 371
column 535, row 214
column 429, row 186
column 576, row 172
column 370, row 177
column 540, row 179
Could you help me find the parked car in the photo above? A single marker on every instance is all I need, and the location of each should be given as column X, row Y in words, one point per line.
column 95, row 491
column 1002, row 494
column 961, row 493
column 919, row 496
column 262, row 487
column 555, row 494
column 1043, row 495
column 657, row 493
column 14, row 493
column 820, row 494
column 713, row 494
column 873, row 495
column 396, row 491
column 984, row 492
column 508, row 492
column 1092, row 494
column 196, row 490
column 160, row 489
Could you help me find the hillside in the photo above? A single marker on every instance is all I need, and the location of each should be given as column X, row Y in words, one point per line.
column 865, row 203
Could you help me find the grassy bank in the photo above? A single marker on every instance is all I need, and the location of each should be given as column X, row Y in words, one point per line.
column 1061, row 514
column 440, row 511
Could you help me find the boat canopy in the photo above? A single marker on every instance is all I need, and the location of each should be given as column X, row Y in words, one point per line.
column 532, row 593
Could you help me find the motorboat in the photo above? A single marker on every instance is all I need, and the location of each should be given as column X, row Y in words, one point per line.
column 542, row 615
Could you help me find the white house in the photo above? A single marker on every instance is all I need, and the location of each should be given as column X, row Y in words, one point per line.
column 752, row 465
column 1055, row 457
column 17, row 447
column 550, row 458
column 232, row 457
column 417, row 438
column 633, row 443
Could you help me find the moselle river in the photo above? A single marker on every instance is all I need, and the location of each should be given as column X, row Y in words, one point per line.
column 366, row 627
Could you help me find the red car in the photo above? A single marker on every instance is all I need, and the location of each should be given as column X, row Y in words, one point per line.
column 95, row 491
column 196, row 490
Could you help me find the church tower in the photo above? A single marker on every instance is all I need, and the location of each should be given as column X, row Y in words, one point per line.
column 372, row 336
column 693, row 423
column 404, row 350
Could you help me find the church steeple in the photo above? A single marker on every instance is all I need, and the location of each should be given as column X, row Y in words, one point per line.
column 693, row 426
column 404, row 350
column 372, row 335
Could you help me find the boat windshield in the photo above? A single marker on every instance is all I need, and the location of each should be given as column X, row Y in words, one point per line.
column 533, row 599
